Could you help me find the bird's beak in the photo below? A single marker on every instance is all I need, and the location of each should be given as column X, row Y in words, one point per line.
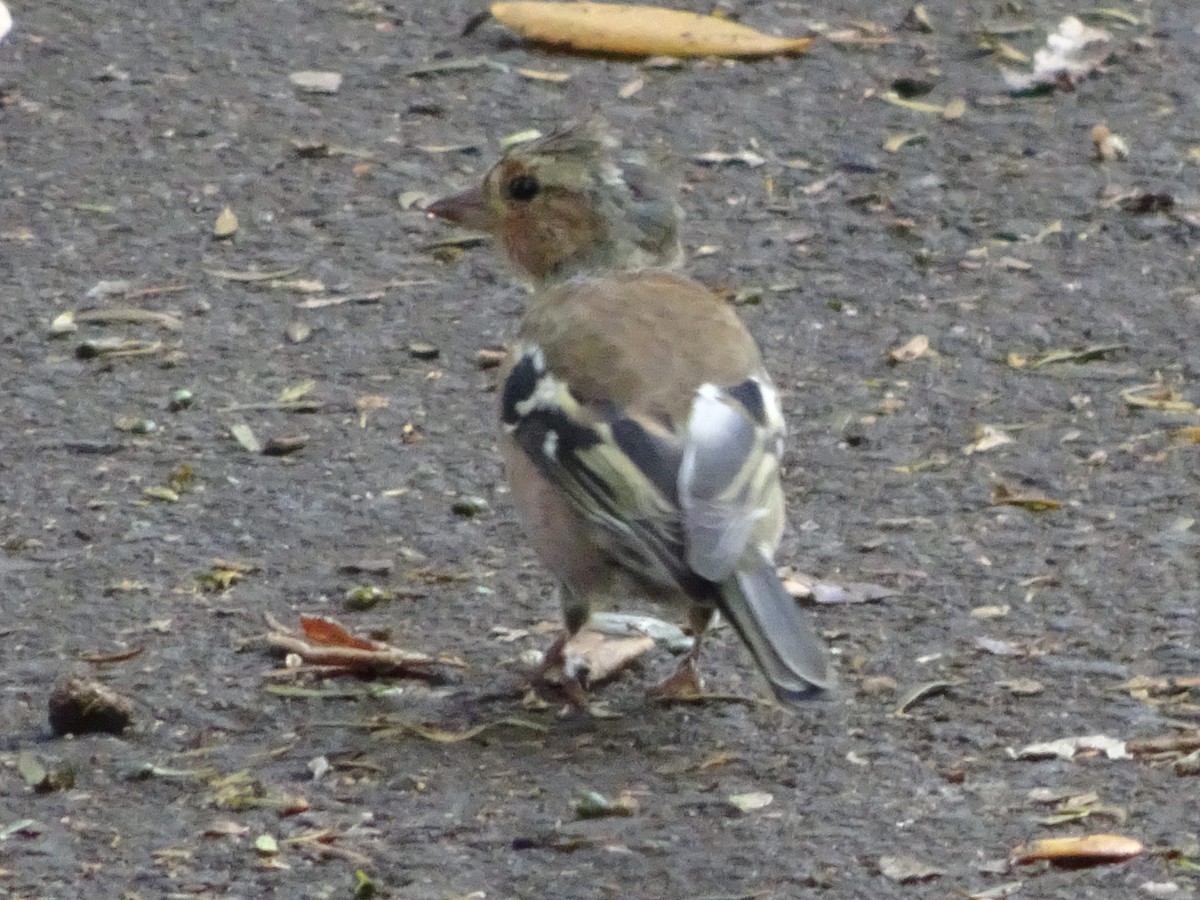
column 468, row 209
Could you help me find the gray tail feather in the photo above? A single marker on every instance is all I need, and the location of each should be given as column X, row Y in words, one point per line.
column 777, row 632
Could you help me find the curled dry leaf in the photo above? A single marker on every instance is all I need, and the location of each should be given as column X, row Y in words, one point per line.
column 633, row 30
column 1087, row 354
column 745, row 803
column 912, row 349
column 747, row 158
column 1088, row 849
column 1002, row 495
column 920, row 694
column 1159, row 396
column 987, row 437
column 1069, row 747
column 121, row 315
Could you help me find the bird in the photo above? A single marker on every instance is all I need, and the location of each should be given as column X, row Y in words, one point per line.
column 640, row 431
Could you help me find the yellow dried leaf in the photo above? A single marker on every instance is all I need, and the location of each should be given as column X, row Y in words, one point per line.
column 226, row 224
column 633, row 30
column 1082, row 355
column 1088, row 848
column 1157, row 395
column 897, row 142
column 297, row 391
column 1109, row 12
column 1003, row 49
column 922, row 106
column 543, row 75
column 629, row 88
column 520, row 137
column 1189, row 434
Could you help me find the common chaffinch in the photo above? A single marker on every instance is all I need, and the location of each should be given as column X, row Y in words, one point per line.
column 641, row 435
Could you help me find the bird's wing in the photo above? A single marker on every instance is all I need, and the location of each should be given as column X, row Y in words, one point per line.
column 618, row 471
column 729, row 488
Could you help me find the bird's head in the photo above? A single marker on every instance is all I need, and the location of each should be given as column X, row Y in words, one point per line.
column 571, row 203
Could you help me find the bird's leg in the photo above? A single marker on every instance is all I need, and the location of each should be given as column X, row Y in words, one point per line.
column 574, row 677
column 686, row 682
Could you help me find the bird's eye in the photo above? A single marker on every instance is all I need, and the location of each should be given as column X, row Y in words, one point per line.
column 522, row 188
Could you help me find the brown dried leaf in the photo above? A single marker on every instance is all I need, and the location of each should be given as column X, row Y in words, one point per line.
column 327, row 633
column 1002, row 495
column 907, row 869
column 605, row 656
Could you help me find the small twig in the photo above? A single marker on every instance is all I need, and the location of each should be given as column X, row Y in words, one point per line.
column 285, row 405
column 349, row 657
column 371, row 296
column 156, row 291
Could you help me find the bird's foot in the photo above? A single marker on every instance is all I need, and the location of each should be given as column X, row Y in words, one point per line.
column 572, row 671
column 684, row 684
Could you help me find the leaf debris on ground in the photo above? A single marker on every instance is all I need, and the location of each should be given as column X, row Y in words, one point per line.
column 636, row 30
column 324, row 643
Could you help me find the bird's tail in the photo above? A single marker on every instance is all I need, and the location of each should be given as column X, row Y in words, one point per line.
column 777, row 632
